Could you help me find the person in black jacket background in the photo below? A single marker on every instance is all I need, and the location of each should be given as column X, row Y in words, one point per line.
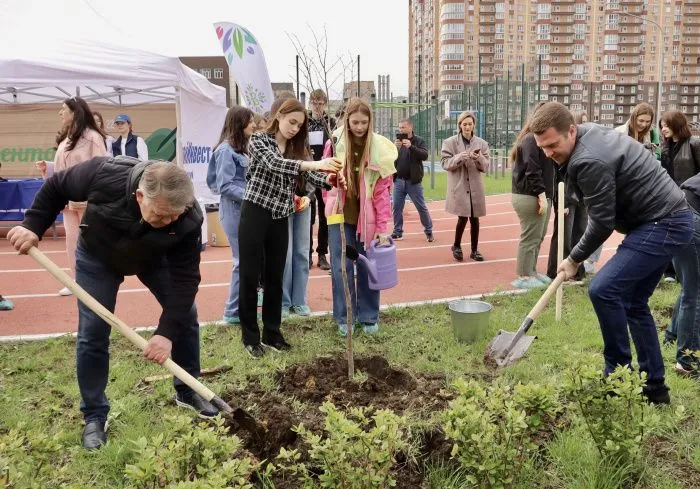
column 686, row 313
column 532, row 188
column 408, row 179
column 625, row 189
column 320, row 127
column 141, row 219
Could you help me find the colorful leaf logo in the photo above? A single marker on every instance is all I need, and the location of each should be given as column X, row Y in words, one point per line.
column 227, row 41
column 237, row 39
column 249, row 37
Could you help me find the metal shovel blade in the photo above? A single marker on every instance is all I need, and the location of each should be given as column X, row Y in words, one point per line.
column 500, row 351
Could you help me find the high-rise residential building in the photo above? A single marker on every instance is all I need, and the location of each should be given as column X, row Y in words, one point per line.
column 599, row 56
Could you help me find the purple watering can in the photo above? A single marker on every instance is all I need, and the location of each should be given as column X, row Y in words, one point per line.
column 380, row 264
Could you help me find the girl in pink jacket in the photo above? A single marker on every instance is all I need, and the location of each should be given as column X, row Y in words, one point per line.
column 363, row 210
column 79, row 140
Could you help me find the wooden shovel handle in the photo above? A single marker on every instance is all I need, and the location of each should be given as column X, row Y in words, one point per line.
column 115, row 322
column 542, row 303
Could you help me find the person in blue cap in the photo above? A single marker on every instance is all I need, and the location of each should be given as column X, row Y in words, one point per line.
column 128, row 143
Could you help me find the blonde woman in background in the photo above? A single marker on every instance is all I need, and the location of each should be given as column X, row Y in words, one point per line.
column 466, row 157
column 79, row 140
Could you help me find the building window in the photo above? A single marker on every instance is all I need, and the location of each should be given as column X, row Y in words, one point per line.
column 206, row 72
column 218, row 74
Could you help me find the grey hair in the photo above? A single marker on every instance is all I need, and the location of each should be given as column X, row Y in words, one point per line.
column 169, row 180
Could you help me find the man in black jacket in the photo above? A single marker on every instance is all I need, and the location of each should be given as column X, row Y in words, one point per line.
column 624, row 188
column 408, row 179
column 141, row 219
column 320, row 127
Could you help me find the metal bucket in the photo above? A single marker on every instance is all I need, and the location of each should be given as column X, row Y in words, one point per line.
column 470, row 319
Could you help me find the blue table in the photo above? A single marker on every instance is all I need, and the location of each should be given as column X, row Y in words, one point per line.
column 16, row 196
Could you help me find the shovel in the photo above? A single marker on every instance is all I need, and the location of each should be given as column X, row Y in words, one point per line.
column 244, row 419
column 507, row 348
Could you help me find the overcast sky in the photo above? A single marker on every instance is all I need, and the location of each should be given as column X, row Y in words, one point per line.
column 377, row 30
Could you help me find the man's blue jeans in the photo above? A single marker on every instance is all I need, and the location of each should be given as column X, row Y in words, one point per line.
column 686, row 314
column 92, row 353
column 296, row 268
column 230, row 217
column 365, row 301
column 620, row 293
column 402, row 188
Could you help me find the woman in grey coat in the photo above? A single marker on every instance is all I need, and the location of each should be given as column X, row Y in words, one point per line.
column 466, row 157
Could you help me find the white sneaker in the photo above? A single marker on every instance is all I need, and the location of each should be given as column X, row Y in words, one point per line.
column 65, row 291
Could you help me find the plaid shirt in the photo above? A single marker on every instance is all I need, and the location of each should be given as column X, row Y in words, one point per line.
column 271, row 178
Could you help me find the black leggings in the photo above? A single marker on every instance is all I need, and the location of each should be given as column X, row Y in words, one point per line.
column 262, row 241
column 473, row 231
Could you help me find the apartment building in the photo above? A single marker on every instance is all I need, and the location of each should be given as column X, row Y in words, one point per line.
column 599, row 56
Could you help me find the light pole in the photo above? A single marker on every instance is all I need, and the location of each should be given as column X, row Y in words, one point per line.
column 660, row 44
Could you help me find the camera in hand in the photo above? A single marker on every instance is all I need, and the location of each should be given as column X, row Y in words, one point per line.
column 401, row 136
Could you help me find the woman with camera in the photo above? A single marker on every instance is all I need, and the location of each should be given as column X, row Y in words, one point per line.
column 466, row 157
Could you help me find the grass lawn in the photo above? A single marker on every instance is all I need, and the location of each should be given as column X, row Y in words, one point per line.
column 39, row 397
column 493, row 185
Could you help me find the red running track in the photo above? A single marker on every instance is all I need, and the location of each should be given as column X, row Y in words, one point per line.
column 427, row 272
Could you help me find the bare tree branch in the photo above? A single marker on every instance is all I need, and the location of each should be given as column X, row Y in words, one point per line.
column 318, row 68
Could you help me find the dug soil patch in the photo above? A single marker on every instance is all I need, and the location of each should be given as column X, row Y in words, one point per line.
column 301, row 389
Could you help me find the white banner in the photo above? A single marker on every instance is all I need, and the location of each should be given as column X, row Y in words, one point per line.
column 247, row 62
column 200, row 128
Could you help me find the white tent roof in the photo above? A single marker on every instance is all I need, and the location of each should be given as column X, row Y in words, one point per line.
column 98, row 72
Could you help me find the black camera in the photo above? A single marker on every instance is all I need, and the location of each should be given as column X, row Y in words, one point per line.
column 401, row 136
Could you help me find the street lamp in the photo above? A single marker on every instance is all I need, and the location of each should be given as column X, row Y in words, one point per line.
column 661, row 59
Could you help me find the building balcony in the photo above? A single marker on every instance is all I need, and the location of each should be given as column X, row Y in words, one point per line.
column 564, row 20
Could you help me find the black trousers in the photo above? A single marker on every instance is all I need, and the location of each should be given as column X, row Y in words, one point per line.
column 322, row 246
column 263, row 250
column 574, row 226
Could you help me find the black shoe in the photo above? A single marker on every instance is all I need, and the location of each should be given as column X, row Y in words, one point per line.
column 669, row 340
column 657, row 395
column 277, row 346
column 476, row 256
column 192, row 400
column 255, row 351
column 396, row 236
column 94, row 434
column 430, row 237
column 323, row 263
column 457, row 253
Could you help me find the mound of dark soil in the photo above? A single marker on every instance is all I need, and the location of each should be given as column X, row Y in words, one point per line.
column 301, row 389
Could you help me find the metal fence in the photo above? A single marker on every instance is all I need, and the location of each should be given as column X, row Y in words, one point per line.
column 500, row 105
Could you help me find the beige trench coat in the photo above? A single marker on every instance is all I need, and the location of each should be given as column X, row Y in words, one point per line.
column 465, row 184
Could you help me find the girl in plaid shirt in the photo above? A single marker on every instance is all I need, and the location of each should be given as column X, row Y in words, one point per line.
column 278, row 156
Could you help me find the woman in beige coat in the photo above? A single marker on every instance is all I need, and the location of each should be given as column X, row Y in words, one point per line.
column 465, row 157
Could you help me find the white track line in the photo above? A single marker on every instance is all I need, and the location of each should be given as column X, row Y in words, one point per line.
column 316, row 277
column 218, row 262
column 383, row 307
